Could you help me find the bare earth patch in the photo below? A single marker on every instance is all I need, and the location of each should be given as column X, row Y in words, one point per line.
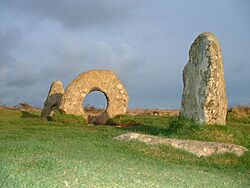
column 157, row 112
column 198, row 148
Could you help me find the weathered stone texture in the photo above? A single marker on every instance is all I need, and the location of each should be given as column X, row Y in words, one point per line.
column 204, row 95
column 104, row 81
column 53, row 99
column 198, row 148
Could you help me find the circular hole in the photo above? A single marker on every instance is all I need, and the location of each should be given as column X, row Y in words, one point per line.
column 95, row 103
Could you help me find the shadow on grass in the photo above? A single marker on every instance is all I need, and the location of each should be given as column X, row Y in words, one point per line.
column 148, row 129
column 26, row 114
column 164, row 126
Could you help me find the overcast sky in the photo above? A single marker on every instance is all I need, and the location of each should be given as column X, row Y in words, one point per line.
column 145, row 42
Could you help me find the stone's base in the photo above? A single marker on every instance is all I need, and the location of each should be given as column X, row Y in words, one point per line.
column 198, row 148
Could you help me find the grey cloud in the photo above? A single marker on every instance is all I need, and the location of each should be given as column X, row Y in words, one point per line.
column 21, row 82
column 25, row 81
column 143, row 81
column 16, row 75
column 146, row 44
column 20, row 75
column 76, row 13
column 13, row 72
column 74, row 58
column 9, row 39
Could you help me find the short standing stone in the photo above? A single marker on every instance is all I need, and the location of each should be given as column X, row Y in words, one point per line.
column 53, row 99
column 204, row 95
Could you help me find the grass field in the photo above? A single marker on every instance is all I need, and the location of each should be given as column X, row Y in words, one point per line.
column 35, row 152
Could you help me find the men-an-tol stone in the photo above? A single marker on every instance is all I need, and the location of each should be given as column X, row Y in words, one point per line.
column 104, row 81
column 204, row 95
column 53, row 99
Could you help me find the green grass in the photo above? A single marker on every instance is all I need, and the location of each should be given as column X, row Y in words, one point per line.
column 35, row 152
column 66, row 119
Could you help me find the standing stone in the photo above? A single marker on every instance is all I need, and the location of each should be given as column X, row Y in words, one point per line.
column 204, row 95
column 53, row 99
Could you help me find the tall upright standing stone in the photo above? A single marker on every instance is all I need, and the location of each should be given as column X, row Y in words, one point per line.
column 204, row 95
column 53, row 99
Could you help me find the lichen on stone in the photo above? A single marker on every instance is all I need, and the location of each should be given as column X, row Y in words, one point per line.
column 204, row 95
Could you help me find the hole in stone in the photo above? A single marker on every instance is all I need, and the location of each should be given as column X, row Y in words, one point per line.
column 95, row 103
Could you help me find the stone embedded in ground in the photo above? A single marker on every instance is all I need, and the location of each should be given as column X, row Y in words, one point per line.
column 204, row 95
column 53, row 99
column 198, row 148
column 104, row 81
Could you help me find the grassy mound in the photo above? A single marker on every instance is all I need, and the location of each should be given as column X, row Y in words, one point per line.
column 182, row 125
column 122, row 121
column 68, row 119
